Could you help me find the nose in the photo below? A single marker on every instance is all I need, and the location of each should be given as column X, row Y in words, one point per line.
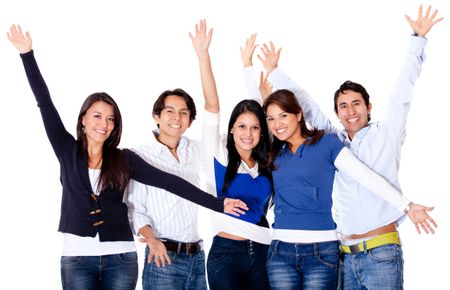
column 275, row 123
column 351, row 110
column 177, row 115
column 104, row 122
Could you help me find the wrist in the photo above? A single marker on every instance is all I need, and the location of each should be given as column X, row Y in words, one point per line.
column 408, row 208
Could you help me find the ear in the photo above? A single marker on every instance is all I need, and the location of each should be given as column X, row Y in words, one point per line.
column 82, row 121
column 369, row 108
column 299, row 117
column 231, row 131
column 156, row 118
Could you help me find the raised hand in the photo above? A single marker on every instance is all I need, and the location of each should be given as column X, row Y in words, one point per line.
column 157, row 251
column 423, row 24
column 248, row 50
column 234, row 206
column 419, row 216
column 201, row 39
column 22, row 42
column 265, row 87
column 270, row 57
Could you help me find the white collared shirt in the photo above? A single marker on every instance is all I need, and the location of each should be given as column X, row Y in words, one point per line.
column 169, row 216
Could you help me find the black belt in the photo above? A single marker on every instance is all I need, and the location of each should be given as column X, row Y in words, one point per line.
column 186, row 248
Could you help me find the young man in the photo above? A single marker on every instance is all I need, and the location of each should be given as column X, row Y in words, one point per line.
column 168, row 224
column 366, row 222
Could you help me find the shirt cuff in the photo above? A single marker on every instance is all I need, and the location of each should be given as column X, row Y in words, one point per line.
column 211, row 118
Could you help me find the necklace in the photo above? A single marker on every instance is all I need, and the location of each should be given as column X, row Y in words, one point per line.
column 171, row 148
column 94, row 175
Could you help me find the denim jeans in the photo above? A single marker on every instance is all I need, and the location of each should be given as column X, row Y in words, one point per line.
column 186, row 272
column 375, row 269
column 303, row 266
column 114, row 272
column 235, row 265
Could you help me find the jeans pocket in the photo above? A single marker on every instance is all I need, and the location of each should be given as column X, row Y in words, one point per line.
column 128, row 258
column 385, row 253
column 68, row 261
column 330, row 260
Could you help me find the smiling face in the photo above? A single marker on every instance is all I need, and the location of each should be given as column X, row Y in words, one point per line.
column 352, row 112
column 174, row 119
column 285, row 126
column 246, row 132
column 98, row 122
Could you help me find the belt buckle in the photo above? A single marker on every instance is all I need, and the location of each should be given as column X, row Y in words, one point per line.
column 354, row 249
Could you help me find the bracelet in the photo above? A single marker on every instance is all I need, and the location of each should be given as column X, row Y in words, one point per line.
column 408, row 207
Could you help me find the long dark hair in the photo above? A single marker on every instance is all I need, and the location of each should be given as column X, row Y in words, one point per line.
column 259, row 153
column 114, row 173
column 287, row 101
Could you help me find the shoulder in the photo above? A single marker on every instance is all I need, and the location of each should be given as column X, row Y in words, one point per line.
column 331, row 139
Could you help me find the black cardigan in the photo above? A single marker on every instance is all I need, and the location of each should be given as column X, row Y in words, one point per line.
column 83, row 213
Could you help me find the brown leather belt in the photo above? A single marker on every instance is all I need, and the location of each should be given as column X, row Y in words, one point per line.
column 186, row 248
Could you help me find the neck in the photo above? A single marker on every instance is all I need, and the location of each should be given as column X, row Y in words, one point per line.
column 295, row 142
column 169, row 142
column 246, row 156
column 95, row 155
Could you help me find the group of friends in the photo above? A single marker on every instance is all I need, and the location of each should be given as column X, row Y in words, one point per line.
column 336, row 195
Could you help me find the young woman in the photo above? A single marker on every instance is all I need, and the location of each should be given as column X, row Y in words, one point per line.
column 237, row 164
column 304, row 253
column 98, row 251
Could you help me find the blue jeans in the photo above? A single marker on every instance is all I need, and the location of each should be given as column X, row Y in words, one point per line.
column 186, row 272
column 375, row 269
column 119, row 271
column 237, row 265
column 303, row 266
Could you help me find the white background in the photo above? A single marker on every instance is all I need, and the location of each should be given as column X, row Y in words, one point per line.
column 136, row 49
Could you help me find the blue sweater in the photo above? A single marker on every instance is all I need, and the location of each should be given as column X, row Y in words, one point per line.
column 303, row 183
column 79, row 209
column 255, row 192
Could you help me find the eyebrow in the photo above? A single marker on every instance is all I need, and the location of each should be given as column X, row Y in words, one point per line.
column 172, row 107
column 100, row 113
column 354, row 101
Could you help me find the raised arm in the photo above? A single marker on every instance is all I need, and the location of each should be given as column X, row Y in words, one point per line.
column 403, row 92
column 269, row 58
column 54, row 127
column 201, row 41
column 254, row 92
column 353, row 167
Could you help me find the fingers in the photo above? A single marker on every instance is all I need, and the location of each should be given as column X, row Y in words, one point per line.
column 166, row 256
column 438, row 20
column 160, row 259
column 150, row 257
column 428, row 11
column 417, row 228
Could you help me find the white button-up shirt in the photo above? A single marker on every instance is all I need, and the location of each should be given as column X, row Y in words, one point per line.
column 169, row 216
